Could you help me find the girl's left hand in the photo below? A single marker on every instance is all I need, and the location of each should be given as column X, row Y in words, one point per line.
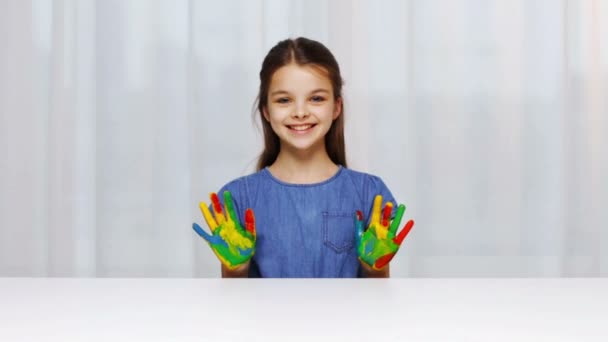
column 377, row 245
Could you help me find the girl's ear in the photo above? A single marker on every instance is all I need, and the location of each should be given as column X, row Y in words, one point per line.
column 265, row 113
column 337, row 108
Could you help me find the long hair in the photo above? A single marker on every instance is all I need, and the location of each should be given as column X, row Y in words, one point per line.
column 301, row 51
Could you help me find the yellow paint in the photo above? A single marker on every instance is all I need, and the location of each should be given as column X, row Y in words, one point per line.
column 376, row 219
column 208, row 217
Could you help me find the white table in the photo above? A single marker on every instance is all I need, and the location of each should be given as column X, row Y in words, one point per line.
column 77, row 309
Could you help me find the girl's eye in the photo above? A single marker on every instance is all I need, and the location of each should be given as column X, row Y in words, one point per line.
column 283, row 100
column 318, row 98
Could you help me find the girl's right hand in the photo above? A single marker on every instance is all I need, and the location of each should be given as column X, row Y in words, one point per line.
column 233, row 245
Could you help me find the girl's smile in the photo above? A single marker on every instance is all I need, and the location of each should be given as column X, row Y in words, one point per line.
column 301, row 129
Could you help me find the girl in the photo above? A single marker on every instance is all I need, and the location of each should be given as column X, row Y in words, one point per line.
column 309, row 207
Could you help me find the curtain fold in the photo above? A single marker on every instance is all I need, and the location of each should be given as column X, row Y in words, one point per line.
column 488, row 119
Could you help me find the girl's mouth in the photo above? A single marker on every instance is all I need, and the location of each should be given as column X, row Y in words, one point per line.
column 301, row 129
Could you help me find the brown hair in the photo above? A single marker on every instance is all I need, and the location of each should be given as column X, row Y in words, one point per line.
column 301, row 51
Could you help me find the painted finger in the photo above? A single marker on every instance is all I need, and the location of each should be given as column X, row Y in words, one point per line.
column 359, row 227
column 250, row 221
column 396, row 221
column 375, row 219
column 211, row 239
column 386, row 214
column 208, row 217
column 383, row 261
column 406, row 229
column 230, row 207
column 217, row 209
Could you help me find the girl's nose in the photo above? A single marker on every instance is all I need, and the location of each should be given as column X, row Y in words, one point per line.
column 300, row 114
column 300, row 109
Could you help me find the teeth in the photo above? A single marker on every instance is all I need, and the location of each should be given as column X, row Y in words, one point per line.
column 301, row 127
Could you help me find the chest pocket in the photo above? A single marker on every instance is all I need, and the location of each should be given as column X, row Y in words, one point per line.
column 338, row 231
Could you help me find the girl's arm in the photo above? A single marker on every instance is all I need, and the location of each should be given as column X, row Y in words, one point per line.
column 368, row 272
column 239, row 272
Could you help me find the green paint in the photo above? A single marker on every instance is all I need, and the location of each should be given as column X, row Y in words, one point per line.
column 231, row 243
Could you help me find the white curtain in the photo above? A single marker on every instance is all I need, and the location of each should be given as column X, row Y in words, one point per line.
column 488, row 119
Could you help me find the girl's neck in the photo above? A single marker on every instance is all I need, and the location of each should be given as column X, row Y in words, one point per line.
column 303, row 168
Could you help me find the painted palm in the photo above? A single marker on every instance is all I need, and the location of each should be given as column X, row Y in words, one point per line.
column 378, row 244
column 232, row 244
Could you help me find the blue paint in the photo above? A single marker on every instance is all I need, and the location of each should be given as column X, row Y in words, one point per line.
column 359, row 227
column 212, row 239
column 244, row 252
column 369, row 247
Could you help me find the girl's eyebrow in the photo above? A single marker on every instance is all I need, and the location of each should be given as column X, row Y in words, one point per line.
column 277, row 92
column 320, row 90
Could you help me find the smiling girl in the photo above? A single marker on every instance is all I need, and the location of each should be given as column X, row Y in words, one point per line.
column 306, row 211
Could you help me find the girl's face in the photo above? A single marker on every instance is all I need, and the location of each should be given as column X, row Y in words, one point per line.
column 301, row 107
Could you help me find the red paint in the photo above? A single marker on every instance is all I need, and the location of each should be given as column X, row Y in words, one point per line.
column 250, row 221
column 383, row 260
column 387, row 214
column 406, row 229
column 359, row 215
column 217, row 206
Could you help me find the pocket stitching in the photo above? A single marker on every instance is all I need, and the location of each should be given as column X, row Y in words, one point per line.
column 326, row 240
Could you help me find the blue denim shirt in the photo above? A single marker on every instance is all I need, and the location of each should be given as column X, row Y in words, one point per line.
column 306, row 230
